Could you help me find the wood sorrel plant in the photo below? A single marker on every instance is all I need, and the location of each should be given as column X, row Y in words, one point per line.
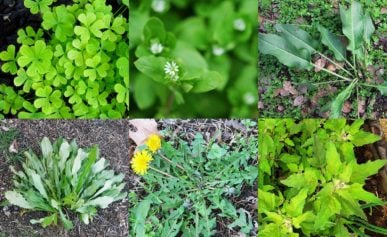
column 181, row 49
column 190, row 186
column 310, row 183
column 294, row 47
column 75, row 65
column 65, row 178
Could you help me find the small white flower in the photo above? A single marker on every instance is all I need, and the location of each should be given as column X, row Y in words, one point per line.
column 171, row 70
column 159, row 5
column 217, row 51
column 249, row 98
column 156, row 48
column 239, row 24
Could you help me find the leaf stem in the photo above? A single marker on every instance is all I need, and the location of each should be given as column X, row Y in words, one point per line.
column 330, row 72
column 162, row 172
column 328, row 82
column 336, row 64
column 171, row 162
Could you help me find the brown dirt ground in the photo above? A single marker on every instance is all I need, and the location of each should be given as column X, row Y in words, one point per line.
column 224, row 131
column 112, row 138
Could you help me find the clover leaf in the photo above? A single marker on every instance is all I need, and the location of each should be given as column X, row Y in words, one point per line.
column 36, row 6
column 10, row 61
column 90, row 25
column 60, row 21
column 37, row 58
column 28, row 36
column 49, row 100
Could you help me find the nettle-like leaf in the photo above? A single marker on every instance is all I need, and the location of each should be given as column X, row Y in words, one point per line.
column 9, row 58
column 37, row 6
column 321, row 183
column 36, row 58
column 65, row 178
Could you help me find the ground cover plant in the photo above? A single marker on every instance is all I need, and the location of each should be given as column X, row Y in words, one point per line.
column 65, row 177
column 75, row 64
column 195, row 183
column 113, row 147
column 193, row 58
column 345, row 45
column 310, row 181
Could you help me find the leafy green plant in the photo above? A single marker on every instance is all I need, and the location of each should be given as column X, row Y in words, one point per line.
column 310, row 183
column 193, row 54
column 294, row 47
column 73, row 66
column 7, row 137
column 65, row 178
column 191, row 186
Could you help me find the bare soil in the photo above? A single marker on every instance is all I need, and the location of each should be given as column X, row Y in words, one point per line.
column 112, row 138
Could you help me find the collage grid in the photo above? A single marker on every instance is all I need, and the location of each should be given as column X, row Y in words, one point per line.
column 193, row 118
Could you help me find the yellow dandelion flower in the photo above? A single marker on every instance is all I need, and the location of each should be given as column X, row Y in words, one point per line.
column 140, row 162
column 153, row 142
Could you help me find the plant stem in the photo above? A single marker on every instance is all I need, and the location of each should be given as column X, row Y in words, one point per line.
column 162, row 172
column 336, row 64
column 370, row 85
column 171, row 162
column 328, row 82
column 330, row 72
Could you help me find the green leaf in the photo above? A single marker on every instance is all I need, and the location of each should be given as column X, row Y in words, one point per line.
column 153, row 67
column 362, row 138
column 333, row 160
column 17, row 199
column 10, row 61
column 46, row 147
column 357, row 192
column 333, row 42
column 369, row 28
column 297, row 37
column 338, row 102
column 382, row 88
column 362, row 171
column 208, row 81
column 141, row 212
column 283, row 51
column 46, row 221
column 353, row 25
column 296, row 205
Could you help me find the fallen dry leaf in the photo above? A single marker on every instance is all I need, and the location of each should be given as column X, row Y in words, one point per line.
column 299, row 100
column 361, row 106
column 331, row 68
column 347, row 107
column 289, row 88
column 319, row 64
column 13, row 148
column 145, row 128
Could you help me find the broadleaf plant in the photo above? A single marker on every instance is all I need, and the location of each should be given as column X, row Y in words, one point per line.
column 310, row 183
column 65, row 178
column 187, row 56
column 77, row 45
column 295, row 48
